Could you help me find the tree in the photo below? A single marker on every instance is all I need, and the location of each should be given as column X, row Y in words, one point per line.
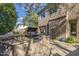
column 31, row 20
column 7, row 18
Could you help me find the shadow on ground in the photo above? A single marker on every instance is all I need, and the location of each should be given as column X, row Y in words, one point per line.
column 74, row 53
column 37, row 39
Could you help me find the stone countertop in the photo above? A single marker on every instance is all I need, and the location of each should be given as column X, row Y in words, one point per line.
column 13, row 40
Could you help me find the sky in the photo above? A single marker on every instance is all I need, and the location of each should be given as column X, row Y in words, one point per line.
column 20, row 13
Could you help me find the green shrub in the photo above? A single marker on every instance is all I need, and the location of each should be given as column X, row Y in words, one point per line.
column 70, row 40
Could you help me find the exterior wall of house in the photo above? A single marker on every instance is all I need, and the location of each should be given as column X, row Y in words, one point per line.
column 63, row 24
column 53, row 20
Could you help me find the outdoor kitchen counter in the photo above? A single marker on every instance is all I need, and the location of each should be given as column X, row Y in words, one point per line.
column 18, row 43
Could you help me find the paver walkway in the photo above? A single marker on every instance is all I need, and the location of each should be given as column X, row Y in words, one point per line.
column 64, row 48
column 47, row 47
column 74, row 53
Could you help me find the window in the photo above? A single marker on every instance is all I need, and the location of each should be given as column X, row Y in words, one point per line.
column 73, row 27
column 42, row 14
column 52, row 10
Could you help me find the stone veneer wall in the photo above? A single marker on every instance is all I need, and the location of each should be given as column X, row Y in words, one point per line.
column 58, row 26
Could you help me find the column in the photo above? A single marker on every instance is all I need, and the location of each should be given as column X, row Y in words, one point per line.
column 77, row 28
column 67, row 25
column 47, row 29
